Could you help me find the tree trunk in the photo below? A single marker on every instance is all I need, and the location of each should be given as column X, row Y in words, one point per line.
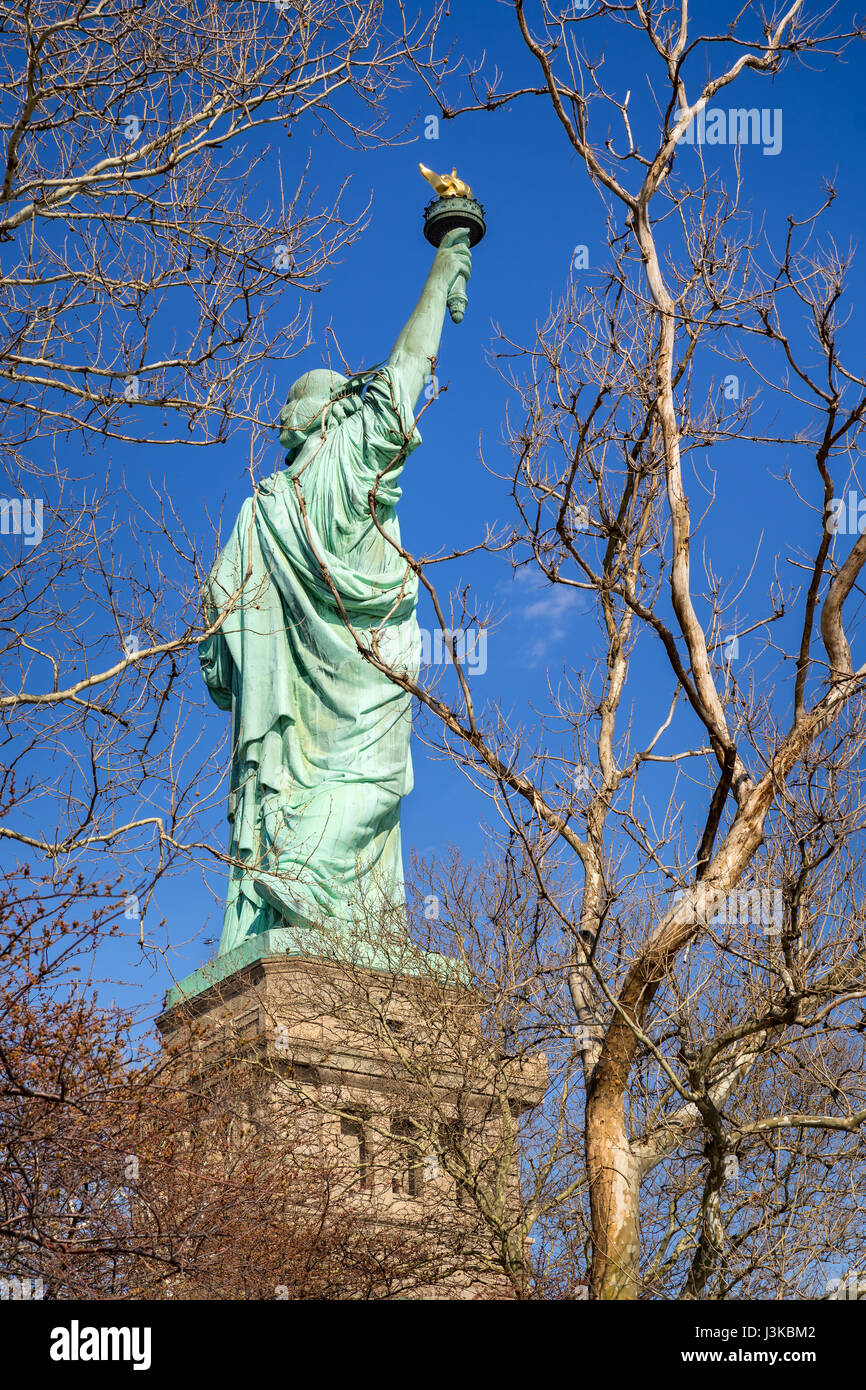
column 614, row 1187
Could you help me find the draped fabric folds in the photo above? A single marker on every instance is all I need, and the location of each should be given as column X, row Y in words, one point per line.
column 320, row 738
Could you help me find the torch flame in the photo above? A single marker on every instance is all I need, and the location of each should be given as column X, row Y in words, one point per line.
column 446, row 185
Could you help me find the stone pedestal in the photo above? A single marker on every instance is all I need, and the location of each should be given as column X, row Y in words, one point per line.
column 384, row 1065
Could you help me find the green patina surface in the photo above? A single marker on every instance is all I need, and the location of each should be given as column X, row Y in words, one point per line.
column 320, row 736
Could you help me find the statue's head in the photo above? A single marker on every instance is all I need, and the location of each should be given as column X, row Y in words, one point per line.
column 307, row 399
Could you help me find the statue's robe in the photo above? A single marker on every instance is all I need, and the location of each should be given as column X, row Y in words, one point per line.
column 320, row 738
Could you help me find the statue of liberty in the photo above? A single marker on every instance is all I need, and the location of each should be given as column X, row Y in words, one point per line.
column 320, row 736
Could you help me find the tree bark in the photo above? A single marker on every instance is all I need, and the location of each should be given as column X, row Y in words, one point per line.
column 614, row 1186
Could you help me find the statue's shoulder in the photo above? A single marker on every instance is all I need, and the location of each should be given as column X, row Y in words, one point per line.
column 390, row 410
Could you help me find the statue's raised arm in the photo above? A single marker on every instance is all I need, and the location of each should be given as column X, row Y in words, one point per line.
column 417, row 347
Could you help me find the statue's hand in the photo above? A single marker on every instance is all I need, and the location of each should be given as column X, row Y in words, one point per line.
column 454, row 257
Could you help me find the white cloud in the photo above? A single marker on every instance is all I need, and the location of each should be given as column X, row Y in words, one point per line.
column 550, row 607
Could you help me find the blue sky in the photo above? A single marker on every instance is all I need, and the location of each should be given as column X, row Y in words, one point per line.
column 540, row 205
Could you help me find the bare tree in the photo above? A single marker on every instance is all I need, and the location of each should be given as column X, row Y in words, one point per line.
column 160, row 207
column 700, row 849
column 148, row 1177
column 141, row 253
